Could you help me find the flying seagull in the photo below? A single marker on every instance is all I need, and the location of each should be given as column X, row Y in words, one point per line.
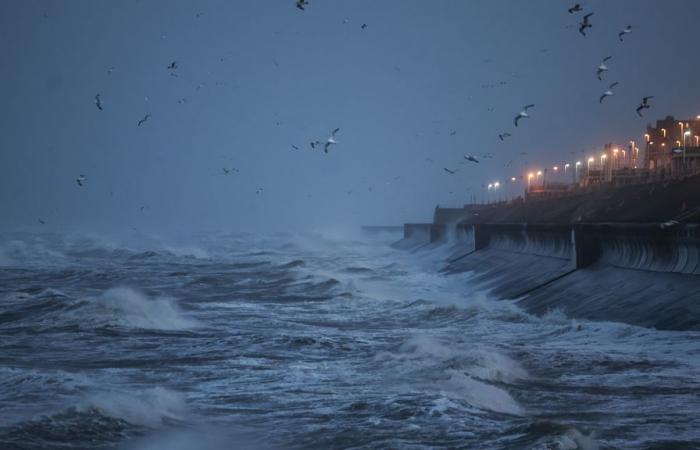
column 585, row 24
column 575, row 8
column 608, row 92
column 172, row 65
column 471, row 158
column 602, row 67
column 364, row 25
column 645, row 105
column 145, row 118
column 627, row 30
column 295, row 147
column 302, row 3
column 259, row 191
column 331, row 140
column 98, row 102
column 522, row 114
column 80, row 180
column 41, row 221
column 503, row 136
column 451, row 172
column 229, row 171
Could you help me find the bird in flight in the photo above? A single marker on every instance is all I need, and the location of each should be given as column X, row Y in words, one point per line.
column 627, row 30
column 471, row 158
column 80, row 180
column 259, row 191
column 645, row 105
column 98, row 102
column 451, row 172
column 585, row 24
column 229, row 171
column 602, row 67
column 453, row 133
column 608, row 92
column 172, row 65
column 145, row 118
column 575, row 8
column 41, row 221
column 503, row 136
column 522, row 114
column 364, row 25
column 330, row 141
column 295, row 147
column 302, row 3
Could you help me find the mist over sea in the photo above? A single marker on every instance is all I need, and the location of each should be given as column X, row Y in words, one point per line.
column 317, row 341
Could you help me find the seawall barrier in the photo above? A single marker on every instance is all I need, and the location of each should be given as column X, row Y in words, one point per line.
column 644, row 274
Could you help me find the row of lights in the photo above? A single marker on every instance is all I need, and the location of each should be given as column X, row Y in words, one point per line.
column 495, row 185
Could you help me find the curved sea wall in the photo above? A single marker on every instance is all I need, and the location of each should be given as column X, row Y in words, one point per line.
column 644, row 274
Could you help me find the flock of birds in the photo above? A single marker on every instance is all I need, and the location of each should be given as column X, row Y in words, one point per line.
column 584, row 25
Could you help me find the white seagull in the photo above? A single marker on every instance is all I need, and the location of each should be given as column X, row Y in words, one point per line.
column 522, row 114
column 627, row 30
column 331, row 140
column 608, row 92
column 602, row 67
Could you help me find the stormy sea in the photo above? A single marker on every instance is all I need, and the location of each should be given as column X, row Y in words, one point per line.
column 318, row 341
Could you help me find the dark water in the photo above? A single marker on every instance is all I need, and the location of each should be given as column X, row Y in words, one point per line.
column 242, row 341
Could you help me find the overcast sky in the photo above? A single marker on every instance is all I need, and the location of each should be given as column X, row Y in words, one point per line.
column 420, row 86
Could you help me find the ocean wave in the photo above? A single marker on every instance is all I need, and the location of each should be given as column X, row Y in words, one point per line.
column 148, row 407
column 128, row 307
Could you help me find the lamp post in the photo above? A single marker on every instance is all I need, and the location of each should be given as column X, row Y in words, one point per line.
column 687, row 133
column 578, row 163
column 590, row 160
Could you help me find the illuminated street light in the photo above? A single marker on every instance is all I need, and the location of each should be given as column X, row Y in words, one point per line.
column 512, row 178
column 590, row 160
column 697, row 140
column 556, row 168
column 566, row 166
column 647, row 137
column 663, row 130
column 530, row 176
column 578, row 163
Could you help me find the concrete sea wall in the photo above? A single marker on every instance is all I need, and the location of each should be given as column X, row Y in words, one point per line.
column 643, row 274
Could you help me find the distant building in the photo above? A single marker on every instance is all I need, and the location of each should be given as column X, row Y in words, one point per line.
column 667, row 142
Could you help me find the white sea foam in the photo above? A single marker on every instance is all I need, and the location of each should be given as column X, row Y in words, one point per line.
column 146, row 408
column 482, row 395
column 129, row 307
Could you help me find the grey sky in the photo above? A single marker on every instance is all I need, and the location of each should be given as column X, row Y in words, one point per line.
column 396, row 89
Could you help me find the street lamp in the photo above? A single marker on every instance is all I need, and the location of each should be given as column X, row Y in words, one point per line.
column 647, row 137
column 566, row 166
column 663, row 130
column 697, row 140
column 578, row 163
column 590, row 160
column 687, row 133
column 530, row 176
